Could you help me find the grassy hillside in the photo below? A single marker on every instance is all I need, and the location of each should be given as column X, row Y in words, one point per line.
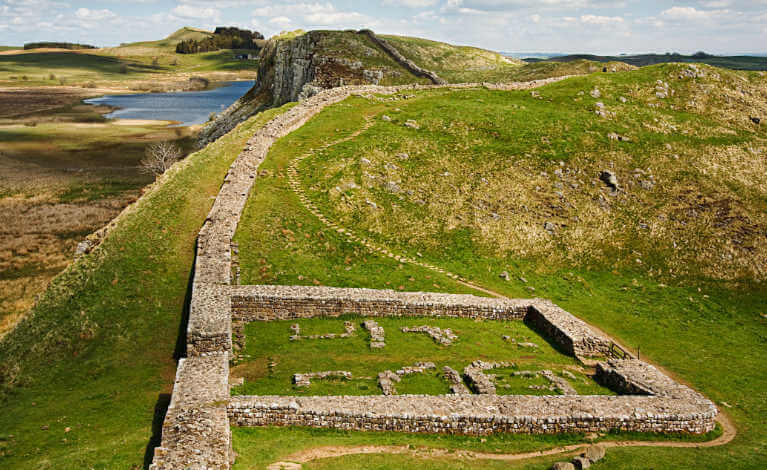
column 539, row 70
column 83, row 375
column 455, row 64
column 151, row 61
column 640, row 60
column 645, row 265
column 85, row 378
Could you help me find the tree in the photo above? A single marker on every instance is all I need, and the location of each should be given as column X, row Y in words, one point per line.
column 159, row 157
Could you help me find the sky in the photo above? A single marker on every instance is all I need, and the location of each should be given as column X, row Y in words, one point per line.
column 565, row 26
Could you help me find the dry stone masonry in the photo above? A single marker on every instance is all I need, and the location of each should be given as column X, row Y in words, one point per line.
column 387, row 378
column 196, row 430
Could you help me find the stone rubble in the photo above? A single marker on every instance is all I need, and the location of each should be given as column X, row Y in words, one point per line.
column 348, row 328
column 305, row 379
column 482, row 383
column 387, row 378
column 377, row 340
column 444, row 337
column 456, row 382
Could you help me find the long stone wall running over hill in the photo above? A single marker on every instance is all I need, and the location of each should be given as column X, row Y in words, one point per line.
column 196, row 433
column 401, row 59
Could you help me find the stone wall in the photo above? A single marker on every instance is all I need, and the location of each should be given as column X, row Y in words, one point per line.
column 402, row 60
column 476, row 415
column 196, row 432
column 572, row 335
column 635, row 377
column 264, row 303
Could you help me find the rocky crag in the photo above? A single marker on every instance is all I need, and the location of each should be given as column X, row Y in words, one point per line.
column 293, row 69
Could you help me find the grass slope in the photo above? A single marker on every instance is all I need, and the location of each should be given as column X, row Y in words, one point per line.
column 82, row 375
column 641, row 60
column 148, row 60
column 456, row 64
column 700, row 317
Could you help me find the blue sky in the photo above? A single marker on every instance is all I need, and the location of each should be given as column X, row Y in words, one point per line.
column 596, row 26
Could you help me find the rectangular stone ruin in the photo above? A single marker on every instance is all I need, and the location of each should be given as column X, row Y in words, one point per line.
column 196, row 430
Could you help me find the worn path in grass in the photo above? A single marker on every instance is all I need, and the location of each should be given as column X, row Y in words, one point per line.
column 350, row 235
column 329, row 452
column 728, row 429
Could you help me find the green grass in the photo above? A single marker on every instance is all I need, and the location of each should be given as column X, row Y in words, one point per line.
column 149, row 60
column 267, row 342
column 701, row 319
column 259, row 447
column 284, row 244
column 96, row 354
column 456, row 64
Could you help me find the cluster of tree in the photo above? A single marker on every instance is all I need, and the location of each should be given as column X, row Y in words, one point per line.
column 57, row 45
column 223, row 38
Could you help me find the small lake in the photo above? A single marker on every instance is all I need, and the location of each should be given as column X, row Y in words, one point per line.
column 185, row 107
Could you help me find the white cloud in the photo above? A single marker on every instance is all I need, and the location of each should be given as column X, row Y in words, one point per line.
column 411, row 3
column 195, row 12
column 93, row 15
column 311, row 15
column 281, row 21
column 334, row 18
column 595, row 19
column 691, row 13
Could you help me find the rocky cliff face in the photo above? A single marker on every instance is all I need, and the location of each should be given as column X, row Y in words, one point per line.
column 297, row 68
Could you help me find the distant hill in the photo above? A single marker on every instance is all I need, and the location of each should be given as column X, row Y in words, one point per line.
column 532, row 55
column 57, row 45
column 169, row 43
column 455, row 63
column 729, row 62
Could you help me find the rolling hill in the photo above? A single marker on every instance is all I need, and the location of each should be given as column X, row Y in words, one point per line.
column 635, row 198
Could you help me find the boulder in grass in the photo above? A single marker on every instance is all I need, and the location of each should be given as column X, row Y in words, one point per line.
column 563, row 466
column 581, row 463
column 594, row 453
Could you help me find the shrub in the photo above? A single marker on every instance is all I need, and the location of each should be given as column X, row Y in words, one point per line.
column 123, row 68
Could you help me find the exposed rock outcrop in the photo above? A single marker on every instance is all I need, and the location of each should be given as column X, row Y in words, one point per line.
column 300, row 67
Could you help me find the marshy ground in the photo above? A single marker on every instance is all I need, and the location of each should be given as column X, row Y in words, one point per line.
column 65, row 171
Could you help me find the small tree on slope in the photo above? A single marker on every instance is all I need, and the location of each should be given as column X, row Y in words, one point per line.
column 159, row 157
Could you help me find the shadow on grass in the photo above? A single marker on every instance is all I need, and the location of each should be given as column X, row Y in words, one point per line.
column 179, row 351
column 160, row 409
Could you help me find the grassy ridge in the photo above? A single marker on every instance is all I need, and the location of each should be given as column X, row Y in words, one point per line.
column 96, row 354
column 700, row 328
column 456, row 64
